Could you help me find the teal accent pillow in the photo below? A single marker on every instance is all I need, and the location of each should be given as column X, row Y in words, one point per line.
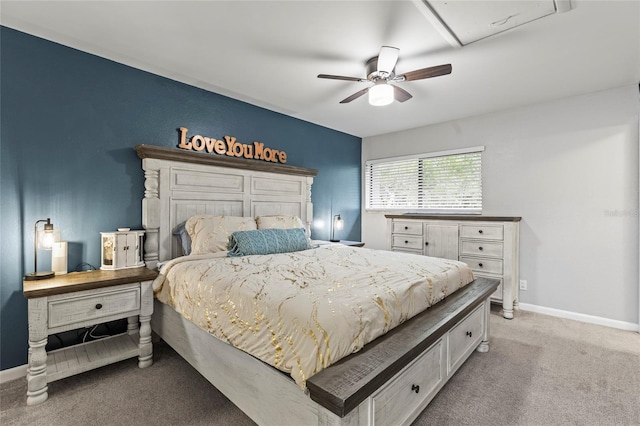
column 267, row 241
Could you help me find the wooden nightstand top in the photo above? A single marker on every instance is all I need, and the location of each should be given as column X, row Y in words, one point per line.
column 87, row 280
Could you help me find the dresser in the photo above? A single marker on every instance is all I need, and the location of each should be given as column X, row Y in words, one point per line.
column 83, row 299
column 488, row 244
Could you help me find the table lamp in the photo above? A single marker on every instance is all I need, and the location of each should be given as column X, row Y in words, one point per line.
column 42, row 239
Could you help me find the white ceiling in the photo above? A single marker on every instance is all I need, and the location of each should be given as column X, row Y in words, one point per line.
column 269, row 53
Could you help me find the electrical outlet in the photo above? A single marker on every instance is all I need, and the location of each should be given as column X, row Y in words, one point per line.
column 523, row 284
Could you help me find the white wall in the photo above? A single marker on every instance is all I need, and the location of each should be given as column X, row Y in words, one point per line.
column 570, row 169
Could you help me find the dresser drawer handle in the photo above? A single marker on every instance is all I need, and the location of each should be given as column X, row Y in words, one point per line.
column 480, row 265
column 415, row 388
column 480, row 231
column 469, row 333
column 406, row 242
column 480, row 248
column 406, row 227
column 99, row 306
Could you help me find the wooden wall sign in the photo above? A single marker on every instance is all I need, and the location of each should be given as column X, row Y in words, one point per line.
column 229, row 146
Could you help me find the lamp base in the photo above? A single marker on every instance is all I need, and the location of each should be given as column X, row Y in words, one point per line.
column 39, row 275
column 335, row 241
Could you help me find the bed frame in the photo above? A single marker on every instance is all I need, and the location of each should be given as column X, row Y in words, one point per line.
column 391, row 380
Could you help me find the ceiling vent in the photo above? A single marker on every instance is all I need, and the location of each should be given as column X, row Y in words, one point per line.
column 463, row 22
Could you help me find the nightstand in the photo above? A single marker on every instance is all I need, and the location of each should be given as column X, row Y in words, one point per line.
column 83, row 299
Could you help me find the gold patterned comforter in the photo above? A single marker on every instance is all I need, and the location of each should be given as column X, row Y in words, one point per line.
column 302, row 311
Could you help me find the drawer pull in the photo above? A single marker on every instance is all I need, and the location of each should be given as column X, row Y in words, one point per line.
column 479, row 231
column 480, row 265
column 470, row 334
column 406, row 242
column 480, row 248
column 406, row 227
column 99, row 306
column 426, row 244
column 415, row 388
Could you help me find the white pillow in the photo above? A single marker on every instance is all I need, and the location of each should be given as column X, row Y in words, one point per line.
column 281, row 221
column 210, row 234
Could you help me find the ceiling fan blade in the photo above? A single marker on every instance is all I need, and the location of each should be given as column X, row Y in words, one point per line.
column 420, row 74
column 400, row 94
column 340, row 77
column 354, row 96
column 387, row 59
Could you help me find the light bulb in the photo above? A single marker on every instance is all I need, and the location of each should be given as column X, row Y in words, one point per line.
column 47, row 239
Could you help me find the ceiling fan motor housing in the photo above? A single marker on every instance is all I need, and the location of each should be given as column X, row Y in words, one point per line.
column 372, row 71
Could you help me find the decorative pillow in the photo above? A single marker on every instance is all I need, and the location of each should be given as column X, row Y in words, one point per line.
column 279, row 221
column 183, row 238
column 210, row 234
column 267, row 241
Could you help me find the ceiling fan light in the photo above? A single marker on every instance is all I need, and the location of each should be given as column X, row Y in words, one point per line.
column 380, row 95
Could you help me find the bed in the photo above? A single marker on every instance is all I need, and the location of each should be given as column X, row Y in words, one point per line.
column 392, row 375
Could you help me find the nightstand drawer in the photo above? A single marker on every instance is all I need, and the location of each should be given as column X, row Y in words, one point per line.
column 481, row 248
column 406, row 227
column 486, row 232
column 73, row 309
column 407, row 242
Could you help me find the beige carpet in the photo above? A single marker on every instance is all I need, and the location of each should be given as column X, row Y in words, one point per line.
column 540, row 370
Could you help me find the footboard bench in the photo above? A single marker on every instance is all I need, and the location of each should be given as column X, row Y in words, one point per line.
column 396, row 376
column 390, row 381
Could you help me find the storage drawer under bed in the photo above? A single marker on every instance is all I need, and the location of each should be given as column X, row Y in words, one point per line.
column 465, row 337
column 410, row 389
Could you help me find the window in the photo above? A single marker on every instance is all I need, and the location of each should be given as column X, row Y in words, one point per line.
column 439, row 182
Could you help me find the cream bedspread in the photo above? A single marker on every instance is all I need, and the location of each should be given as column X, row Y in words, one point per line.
column 302, row 311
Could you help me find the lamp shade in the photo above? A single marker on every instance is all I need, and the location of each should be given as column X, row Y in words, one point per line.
column 381, row 94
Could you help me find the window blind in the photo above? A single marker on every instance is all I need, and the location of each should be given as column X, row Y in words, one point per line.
column 445, row 182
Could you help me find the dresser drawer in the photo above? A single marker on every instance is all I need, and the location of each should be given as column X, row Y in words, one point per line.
column 407, row 242
column 481, row 248
column 79, row 308
column 465, row 336
column 489, row 266
column 407, row 250
column 486, row 232
column 399, row 398
column 497, row 295
column 407, row 227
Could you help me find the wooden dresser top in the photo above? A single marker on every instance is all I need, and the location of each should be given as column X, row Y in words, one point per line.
column 471, row 217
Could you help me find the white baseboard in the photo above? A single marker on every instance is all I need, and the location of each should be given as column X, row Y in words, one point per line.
column 13, row 373
column 629, row 326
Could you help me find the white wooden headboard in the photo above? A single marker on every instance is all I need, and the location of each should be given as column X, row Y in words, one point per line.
column 179, row 184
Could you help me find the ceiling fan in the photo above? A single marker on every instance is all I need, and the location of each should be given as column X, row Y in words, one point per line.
column 381, row 72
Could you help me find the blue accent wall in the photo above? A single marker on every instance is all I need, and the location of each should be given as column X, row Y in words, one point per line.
column 69, row 123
